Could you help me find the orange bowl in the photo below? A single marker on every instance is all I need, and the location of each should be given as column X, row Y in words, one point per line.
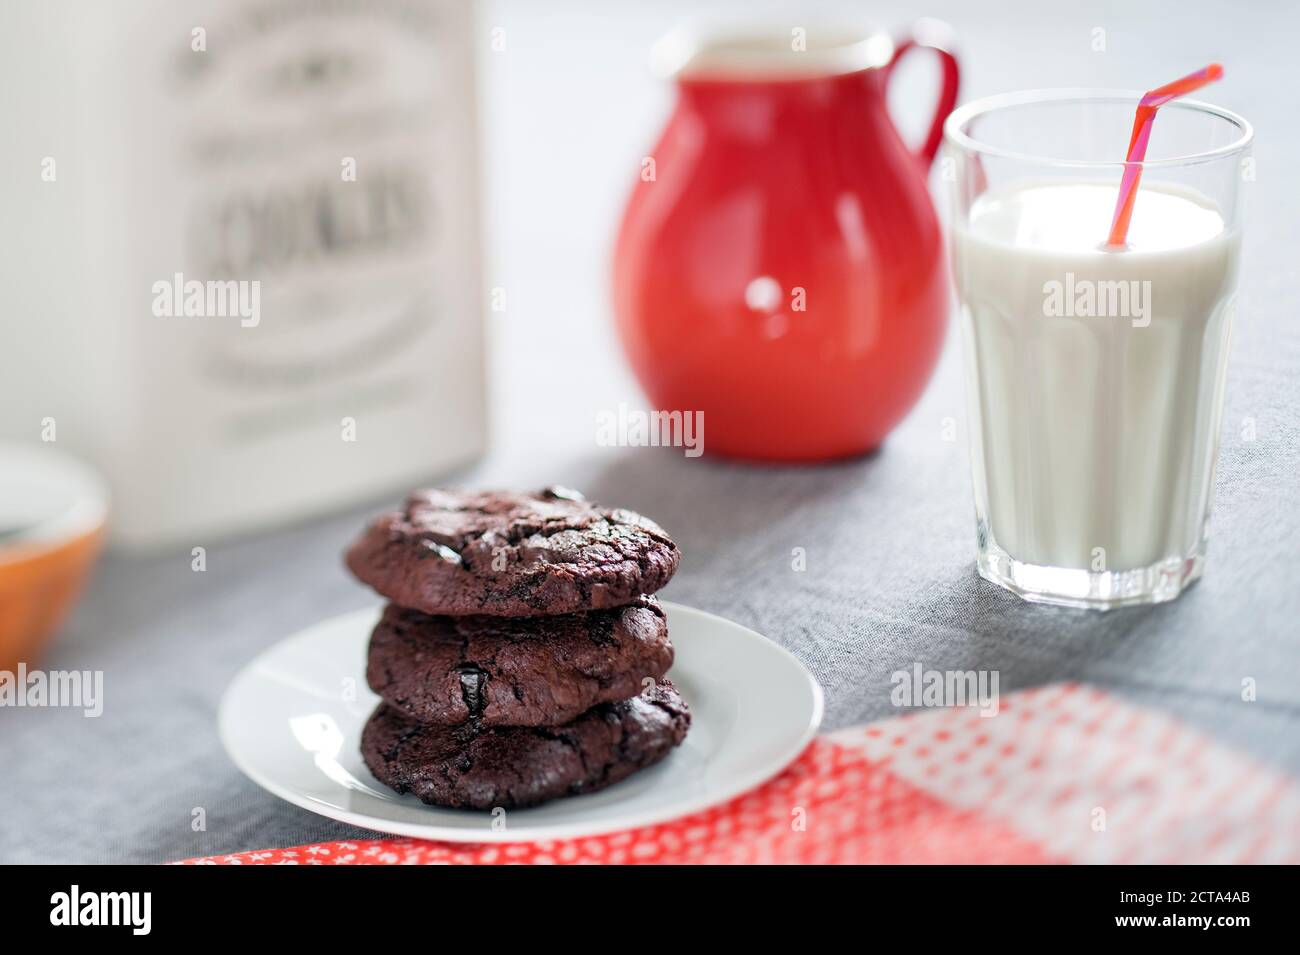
column 53, row 510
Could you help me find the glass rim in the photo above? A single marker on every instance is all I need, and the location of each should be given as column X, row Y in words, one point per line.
column 955, row 134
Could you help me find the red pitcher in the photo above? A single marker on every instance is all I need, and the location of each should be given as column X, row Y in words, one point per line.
column 780, row 266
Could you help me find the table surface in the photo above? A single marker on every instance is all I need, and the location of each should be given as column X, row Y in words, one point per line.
column 890, row 576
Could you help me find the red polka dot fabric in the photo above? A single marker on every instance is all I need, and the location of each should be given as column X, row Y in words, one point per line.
column 1063, row 773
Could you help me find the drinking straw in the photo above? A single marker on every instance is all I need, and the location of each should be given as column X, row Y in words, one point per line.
column 1137, row 145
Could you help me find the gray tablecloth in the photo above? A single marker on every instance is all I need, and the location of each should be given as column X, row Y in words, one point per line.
column 889, row 540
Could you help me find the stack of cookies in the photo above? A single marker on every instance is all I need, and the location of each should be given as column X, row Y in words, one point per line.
column 522, row 655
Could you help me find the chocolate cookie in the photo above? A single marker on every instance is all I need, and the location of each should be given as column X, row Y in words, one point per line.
column 522, row 671
column 475, row 767
column 511, row 555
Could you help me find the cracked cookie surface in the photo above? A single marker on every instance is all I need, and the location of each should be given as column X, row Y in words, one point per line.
column 523, row 671
column 475, row 767
column 506, row 554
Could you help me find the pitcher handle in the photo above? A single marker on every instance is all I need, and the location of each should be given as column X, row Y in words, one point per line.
column 937, row 36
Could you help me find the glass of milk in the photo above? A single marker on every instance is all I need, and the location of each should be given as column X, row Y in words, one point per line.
column 1095, row 374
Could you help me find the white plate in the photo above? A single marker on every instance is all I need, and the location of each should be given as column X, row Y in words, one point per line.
column 292, row 719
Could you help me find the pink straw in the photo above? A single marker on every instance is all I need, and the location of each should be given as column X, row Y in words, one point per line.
column 1137, row 146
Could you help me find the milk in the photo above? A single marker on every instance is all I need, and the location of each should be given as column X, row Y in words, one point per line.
column 1096, row 375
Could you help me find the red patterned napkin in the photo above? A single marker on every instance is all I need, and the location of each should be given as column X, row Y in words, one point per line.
column 1063, row 773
